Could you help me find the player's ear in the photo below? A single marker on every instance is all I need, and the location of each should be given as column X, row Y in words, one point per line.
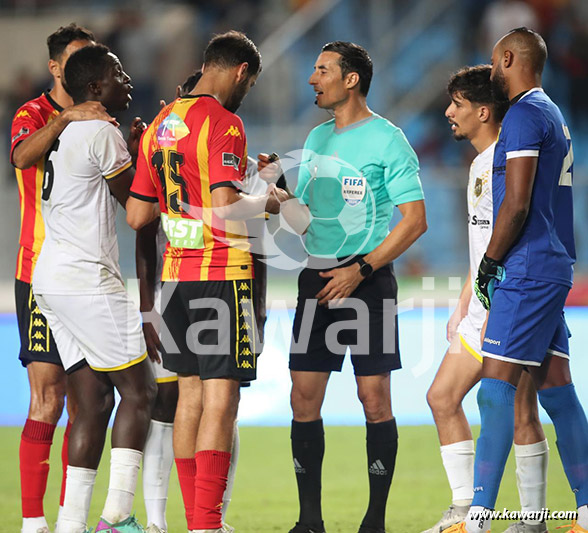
column 507, row 58
column 242, row 72
column 54, row 68
column 95, row 88
column 351, row 80
column 483, row 113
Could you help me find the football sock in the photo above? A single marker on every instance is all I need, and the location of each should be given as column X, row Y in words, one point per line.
column 64, row 461
column 78, row 494
column 212, row 467
column 568, row 417
column 458, row 461
column 232, row 472
column 496, row 403
column 382, row 446
column 582, row 519
column 35, row 446
column 32, row 525
column 158, row 458
column 187, row 478
column 532, row 461
column 476, row 521
column 124, row 469
column 308, row 450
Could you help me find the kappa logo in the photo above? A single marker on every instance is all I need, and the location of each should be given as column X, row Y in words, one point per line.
column 298, row 468
column 378, row 469
column 22, row 114
column 243, row 287
column 234, row 131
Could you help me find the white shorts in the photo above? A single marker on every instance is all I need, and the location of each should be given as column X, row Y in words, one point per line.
column 469, row 335
column 103, row 329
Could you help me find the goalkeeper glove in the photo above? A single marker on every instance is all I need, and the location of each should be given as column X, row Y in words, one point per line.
column 489, row 271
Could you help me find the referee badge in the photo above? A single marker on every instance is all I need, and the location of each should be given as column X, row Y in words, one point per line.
column 353, row 189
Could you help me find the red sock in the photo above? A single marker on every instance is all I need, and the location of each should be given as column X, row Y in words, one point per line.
column 64, row 461
column 187, row 476
column 35, row 445
column 212, row 468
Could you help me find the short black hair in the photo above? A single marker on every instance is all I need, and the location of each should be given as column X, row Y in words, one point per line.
column 231, row 49
column 57, row 42
column 473, row 84
column 354, row 58
column 86, row 65
column 190, row 82
column 531, row 44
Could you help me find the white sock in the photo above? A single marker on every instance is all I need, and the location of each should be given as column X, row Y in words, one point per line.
column 232, row 471
column 158, row 458
column 458, row 460
column 124, row 469
column 582, row 519
column 31, row 525
column 475, row 521
column 73, row 516
column 532, row 461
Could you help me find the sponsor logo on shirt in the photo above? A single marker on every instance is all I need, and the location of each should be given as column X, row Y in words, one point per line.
column 491, row 341
column 171, row 130
column 475, row 221
column 353, row 189
column 231, row 160
column 234, row 131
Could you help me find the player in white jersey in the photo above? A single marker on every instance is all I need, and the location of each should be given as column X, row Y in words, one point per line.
column 80, row 290
column 475, row 115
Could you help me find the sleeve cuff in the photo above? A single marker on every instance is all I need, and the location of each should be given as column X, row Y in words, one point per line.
column 409, row 197
column 232, row 184
column 119, row 171
column 143, row 197
column 522, row 153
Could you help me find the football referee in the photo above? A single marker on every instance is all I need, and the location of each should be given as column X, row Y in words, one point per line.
column 355, row 168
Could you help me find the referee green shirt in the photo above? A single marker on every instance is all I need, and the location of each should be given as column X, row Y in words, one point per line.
column 351, row 179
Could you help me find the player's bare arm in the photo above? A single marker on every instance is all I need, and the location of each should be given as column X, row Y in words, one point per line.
column 140, row 212
column 462, row 308
column 520, row 176
column 121, row 184
column 146, row 261
column 134, row 138
column 345, row 280
column 30, row 150
column 228, row 203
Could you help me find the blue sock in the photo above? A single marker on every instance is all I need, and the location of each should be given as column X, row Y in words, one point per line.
column 496, row 403
column 564, row 409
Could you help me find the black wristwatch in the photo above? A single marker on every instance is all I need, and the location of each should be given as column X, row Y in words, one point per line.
column 365, row 269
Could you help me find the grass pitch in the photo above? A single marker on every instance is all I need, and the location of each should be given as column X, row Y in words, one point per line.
column 265, row 498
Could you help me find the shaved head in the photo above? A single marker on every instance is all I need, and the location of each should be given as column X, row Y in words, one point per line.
column 528, row 45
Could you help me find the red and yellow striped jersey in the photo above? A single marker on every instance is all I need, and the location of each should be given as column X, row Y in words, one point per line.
column 31, row 117
column 192, row 147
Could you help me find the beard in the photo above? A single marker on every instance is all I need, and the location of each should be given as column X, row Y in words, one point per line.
column 499, row 86
column 238, row 96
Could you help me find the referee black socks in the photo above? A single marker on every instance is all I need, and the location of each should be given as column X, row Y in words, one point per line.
column 382, row 446
column 308, row 450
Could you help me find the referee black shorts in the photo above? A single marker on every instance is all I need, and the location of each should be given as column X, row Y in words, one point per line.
column 368, row 325
column 210, row 329
column 36, row 340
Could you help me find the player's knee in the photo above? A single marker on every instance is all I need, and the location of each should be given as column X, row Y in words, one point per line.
column 306, row 404
column 375, row 407
column 439, row 401
column 102, row 405
column 47, row 404
column 165, row 402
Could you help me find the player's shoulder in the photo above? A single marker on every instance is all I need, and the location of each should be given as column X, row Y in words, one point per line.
column 36, row 106
column 91, row 128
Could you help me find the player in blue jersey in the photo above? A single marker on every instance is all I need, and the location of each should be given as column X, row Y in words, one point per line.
column 354, row 170
column 524, row 279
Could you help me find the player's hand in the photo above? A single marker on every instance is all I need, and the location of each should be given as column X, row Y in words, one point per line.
column 343, row 281
column 137, row 129
column 153, row 342
column 268, row 171
column 489, row 271
column 275, row 197
column 88, row 111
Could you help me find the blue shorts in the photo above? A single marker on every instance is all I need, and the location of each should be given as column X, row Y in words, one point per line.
column 526, row 322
